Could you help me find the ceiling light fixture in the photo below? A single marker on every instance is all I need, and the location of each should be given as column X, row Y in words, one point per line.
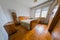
column 35, row 0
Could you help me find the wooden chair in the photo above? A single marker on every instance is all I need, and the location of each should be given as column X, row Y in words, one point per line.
column 14, row 16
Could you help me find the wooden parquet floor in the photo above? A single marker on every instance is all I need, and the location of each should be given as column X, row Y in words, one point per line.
column 38, row 33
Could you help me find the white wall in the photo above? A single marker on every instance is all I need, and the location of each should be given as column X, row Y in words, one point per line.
column 7, row 14
column 23, row 11
column 2, row 16
column 3, row 21
column 1, row 36
column 20, row 8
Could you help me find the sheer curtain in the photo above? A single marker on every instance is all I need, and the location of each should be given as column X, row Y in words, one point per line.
column 37, row 13
column 41, row 12
column 44, row 11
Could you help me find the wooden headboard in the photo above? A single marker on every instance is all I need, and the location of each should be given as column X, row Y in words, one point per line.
column 23, row 18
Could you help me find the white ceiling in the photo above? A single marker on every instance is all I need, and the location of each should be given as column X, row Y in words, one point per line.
column 30, row 3
column 26, row 3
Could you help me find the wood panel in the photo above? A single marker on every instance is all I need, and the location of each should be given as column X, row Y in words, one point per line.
column 33, row 24
column 23, row 18
column 56, row 31
column 55, row 20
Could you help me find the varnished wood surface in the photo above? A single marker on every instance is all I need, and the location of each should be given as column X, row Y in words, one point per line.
column 23, row 17
column 33, row 24
column 55, row 20
column 56, row 31
column 38, row 33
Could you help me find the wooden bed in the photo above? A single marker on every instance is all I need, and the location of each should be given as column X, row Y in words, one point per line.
column 27, row 22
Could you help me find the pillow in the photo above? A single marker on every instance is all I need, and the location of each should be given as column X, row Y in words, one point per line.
column 23, row 18
column 10, row 29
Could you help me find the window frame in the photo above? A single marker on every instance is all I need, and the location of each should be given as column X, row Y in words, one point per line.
column 42, row 10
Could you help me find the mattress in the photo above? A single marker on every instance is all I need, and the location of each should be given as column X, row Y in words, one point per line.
column 26, row 23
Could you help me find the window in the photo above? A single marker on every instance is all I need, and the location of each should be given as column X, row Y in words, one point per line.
column 41, row 12
column 44, row 12
column 37, row 13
